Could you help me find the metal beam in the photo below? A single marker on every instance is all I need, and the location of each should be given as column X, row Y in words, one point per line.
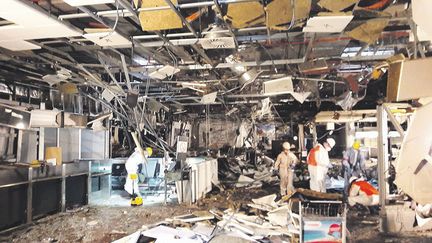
column 183, row 19
column 393, row 120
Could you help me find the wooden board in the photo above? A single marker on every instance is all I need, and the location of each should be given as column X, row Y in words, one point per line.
column 245, row 14
column 279, row 12
column 159, row 19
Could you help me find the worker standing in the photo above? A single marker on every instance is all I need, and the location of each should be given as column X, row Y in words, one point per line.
column 362, row 192
column 132, row 166
column 353, row 164
column 318, row 163
column 285, row 164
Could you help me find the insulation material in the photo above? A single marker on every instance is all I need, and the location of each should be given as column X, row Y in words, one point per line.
column 336, row 6
column 406, row 77
column 74, row 120
column 68, row 88
column 414, row 163
column 108, row 38
column 327, row 24
column 53, row 155
column 77, row 3
column 132, row 99
column 160, row 19
column 370, row 31
column 280, row 12
column 209, row 98
column 245, row 14
column 281, row 85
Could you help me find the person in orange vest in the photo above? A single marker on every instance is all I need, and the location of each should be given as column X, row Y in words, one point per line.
column 285, row 163
column 362, row 192
column 318, row 163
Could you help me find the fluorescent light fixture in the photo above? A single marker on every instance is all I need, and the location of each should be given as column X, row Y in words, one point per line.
column 77, row 3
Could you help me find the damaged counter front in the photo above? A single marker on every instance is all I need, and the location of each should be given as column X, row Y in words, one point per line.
column 28, row 193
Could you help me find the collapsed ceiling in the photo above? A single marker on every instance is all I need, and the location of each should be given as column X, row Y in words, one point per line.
column 182, row 54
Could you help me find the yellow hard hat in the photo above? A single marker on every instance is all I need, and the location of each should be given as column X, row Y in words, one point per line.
column 356, row 145
column 149, row 151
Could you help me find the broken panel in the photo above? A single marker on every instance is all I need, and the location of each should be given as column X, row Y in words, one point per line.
column 159, row 19
column 245, row 14
column 280, row 12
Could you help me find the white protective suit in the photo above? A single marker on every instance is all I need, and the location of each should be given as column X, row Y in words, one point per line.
column 318, row 163
column 131, row 165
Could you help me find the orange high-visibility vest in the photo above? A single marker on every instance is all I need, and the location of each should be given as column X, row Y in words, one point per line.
column 366, row 188
column 311, row 159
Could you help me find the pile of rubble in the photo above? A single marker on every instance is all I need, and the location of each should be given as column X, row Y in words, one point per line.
column 262, row 220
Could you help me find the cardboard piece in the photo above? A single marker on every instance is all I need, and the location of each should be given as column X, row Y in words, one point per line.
column 280, row 12
column 370, row 31
column 327, row 24
column 414, row 163
column 159, row 19
column 336, row 6
column 74, row 120
column 53, row 154
column 245, row 14
column 406, row 77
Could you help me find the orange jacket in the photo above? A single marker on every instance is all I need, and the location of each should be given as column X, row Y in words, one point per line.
column 311, row 158
column 366, row 188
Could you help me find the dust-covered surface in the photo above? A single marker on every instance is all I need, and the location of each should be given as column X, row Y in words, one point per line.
column 94, row 224
column 105, row 224
column 364, row 228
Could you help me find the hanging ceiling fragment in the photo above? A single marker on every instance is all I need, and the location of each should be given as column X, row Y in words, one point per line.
column 280, row 15
column 165, row 19
column 336, row 6
column 245, row 14
column 370, row 31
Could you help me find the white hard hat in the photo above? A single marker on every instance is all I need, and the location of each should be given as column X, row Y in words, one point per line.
column 331, row 142
column 286, row 145
column 352, row 179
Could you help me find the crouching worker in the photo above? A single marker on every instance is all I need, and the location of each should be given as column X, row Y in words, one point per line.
column 362, row 192
column 133, row 164
column 285, row 164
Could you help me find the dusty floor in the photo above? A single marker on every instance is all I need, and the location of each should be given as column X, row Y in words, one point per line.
column 105, row 224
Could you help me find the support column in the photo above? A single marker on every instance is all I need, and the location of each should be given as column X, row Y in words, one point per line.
column 383, row 165
column 30, row 196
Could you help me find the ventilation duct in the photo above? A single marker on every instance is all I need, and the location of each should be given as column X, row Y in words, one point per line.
column 217, row 40
column 246, row 76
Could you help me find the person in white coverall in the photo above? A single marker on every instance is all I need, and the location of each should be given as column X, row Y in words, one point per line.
column 318, row 163
column 285, row 163
column 132, row 166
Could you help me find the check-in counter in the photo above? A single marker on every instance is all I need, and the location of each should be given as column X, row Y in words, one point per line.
column 28, row 193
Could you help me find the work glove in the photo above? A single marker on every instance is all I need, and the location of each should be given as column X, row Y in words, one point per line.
column 133, row 176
